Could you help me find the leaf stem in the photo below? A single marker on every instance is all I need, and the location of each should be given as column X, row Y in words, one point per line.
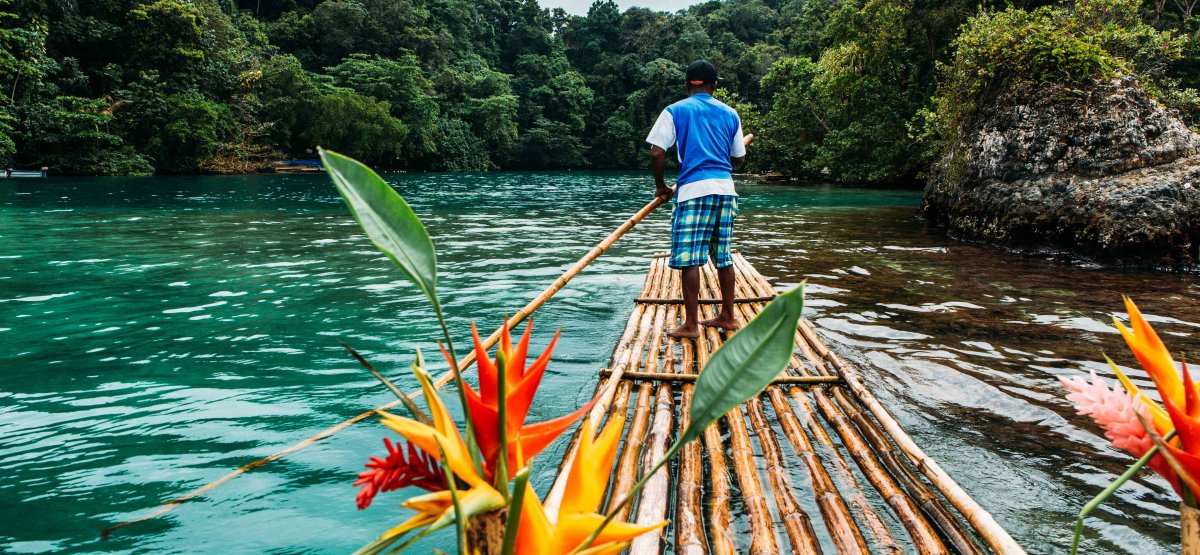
column 501, row 469
column 1111, row 489
column 520, row 483
column 472, row 444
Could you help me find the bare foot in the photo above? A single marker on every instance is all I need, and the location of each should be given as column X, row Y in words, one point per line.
column 727, row 324
column 686, row 331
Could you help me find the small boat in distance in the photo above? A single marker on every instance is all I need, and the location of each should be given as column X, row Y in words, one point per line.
column 297, row 166
column 10, row 173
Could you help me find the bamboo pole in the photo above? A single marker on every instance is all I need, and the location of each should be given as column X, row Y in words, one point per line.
column 690, row 378
column 652, row 504
column 639, row 325
column 920, row 530
column 626, row 472
column 654, row 498
column 992, row 533
column 516, row 318
column 925, row 499
column 795, row 521
column 874, row 523
column 842, row 528
column 762, row 530
column 839, row 522
column 689, row 526
column 878, row 528
column 671, row 300
column 720, row 521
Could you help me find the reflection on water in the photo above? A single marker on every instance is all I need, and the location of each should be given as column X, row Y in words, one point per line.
column 159, row 332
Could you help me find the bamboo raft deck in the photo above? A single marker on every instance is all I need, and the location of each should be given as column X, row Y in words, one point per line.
column 873, row 489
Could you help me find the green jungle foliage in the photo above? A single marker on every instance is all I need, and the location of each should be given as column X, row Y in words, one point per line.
column 855, row 90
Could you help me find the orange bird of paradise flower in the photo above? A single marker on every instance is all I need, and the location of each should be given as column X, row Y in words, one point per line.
column 443, row 443
column 521, row 383
column 1154, row 357
column 1179, row 395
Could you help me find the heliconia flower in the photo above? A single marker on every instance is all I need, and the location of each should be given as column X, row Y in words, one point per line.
column 1152, row 354
column 399, row 469
column 521, row 383
column 1187, row 423
column 441, row 442
column 577, row 517
column 1116, row 411
column 1162, row 420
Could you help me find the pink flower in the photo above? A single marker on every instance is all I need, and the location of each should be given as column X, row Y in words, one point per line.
column 1116, row 411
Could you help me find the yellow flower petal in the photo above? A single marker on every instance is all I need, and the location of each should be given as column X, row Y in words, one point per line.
column 1152, row 354
column 535, row 534
column 591, row 467
column 606, row 549
column 430, row 503
column 573, row 529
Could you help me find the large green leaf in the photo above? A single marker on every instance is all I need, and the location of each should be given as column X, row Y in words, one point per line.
column 386, row 218
column 746, row 364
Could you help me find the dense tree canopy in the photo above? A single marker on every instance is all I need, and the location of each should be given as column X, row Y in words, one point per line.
column 856, row 90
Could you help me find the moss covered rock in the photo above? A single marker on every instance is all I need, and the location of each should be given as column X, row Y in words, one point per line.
column 1098, row 169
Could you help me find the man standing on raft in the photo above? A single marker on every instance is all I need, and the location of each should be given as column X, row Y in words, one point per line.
column 708, row 138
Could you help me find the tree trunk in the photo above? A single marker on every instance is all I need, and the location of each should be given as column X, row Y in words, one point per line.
column 485, row 532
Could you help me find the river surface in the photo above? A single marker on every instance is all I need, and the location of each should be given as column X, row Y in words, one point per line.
column 159, row 332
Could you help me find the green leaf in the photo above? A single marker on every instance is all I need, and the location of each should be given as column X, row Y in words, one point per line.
column 746, row 364
column 520, row 483
column 386, row 218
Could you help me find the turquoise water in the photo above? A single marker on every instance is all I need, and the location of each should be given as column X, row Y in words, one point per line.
column 160, row 332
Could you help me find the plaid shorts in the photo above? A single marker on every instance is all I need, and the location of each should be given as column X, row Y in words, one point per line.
column 703, row 227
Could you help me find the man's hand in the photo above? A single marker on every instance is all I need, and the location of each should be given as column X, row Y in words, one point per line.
column 747, row 139
column 658, row 164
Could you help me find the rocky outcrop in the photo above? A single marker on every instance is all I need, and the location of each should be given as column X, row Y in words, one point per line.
column 1104, row 172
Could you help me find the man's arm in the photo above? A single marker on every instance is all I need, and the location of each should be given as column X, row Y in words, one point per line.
column 737, row 161
column 658, row 164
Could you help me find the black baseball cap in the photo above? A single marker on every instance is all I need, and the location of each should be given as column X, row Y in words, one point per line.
column 701, row 72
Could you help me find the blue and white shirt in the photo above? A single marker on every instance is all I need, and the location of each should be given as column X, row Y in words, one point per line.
column 708, row 133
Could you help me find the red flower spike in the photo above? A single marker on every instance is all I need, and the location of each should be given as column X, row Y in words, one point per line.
column 536, row 437
column 521, row 398
column 487, row 370
column 517, row 360
column 398, row 470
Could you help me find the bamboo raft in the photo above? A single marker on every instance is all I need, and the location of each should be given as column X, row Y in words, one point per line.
column 899, row 500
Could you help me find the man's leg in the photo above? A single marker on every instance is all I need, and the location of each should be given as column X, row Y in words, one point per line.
column 722, row 256
column 691, row 227
column 727, row 319
column 691, row 309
